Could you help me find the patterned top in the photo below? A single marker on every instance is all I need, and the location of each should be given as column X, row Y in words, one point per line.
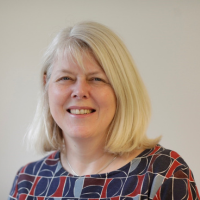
column 156, row 173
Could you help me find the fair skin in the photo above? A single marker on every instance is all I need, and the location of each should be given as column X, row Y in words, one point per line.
column 83, row 104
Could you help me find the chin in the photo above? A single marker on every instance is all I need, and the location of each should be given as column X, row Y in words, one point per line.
column 80, row 134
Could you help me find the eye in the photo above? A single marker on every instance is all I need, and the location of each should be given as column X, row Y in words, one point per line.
column 97, row 79
column 65, row 78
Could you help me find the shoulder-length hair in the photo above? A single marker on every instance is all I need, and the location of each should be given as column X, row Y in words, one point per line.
column 127, row 130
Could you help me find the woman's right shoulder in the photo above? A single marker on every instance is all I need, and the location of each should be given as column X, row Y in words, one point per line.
column 46, row 162
column 31, row 173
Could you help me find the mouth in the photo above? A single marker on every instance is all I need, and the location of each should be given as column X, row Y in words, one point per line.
column 80, row 111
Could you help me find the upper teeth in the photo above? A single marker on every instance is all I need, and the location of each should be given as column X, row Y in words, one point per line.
column 81, row 111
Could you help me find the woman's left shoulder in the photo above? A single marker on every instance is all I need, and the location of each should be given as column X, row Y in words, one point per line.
column 170, row 172
column 163, row 154
column 167, row 161
column 161, row 162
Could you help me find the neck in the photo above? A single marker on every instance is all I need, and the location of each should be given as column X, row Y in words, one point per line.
column 84, row 149
column 85, row 155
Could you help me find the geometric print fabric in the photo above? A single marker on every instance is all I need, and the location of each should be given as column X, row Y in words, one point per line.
column 156, row 173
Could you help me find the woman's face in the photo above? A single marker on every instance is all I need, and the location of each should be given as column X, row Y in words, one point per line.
column 82, row 102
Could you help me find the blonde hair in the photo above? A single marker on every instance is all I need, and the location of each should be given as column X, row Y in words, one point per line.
column 127, row 130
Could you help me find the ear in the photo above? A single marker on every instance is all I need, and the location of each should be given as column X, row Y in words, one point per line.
column 44, row 79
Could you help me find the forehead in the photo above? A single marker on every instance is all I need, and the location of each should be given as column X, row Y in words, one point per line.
column 83, row 60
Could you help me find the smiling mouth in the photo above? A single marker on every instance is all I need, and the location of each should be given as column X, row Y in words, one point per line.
column 80, row 111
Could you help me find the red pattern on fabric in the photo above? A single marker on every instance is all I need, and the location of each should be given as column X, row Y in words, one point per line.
column 157, row 196
column 189, row 191
column 40, row 198
column 52, row 156
column 15, row 193
column 155, row 150
column 34, row 186
column 93, row 181
column 174, row 155
column 22, row 196
column 152, row 161
column 197, row 192
column 190, row 177
column 26, row 177
column 51, row 162
column 138, row 187
column 172, row 168
column 103, row 194
column 23, row 169
column 59, row 190
column 115, row 198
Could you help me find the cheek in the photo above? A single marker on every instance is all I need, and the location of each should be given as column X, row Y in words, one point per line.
column 57, row 96
column 108, row 101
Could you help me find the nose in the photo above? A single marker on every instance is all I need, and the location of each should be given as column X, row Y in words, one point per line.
column 80, row 90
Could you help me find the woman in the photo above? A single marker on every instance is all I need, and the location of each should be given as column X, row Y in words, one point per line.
column 93, row 112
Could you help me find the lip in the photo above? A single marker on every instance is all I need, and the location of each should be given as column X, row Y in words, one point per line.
column 79, row 108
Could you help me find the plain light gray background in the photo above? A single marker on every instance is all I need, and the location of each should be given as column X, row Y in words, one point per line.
column 163, row 37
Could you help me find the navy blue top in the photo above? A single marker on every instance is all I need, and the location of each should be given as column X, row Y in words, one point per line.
column 156, row 173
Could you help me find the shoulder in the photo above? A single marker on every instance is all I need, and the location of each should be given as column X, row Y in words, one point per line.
column 34, row 167
column 169, row 164
column 167, row 171
column 160, row 162
column 163, row 160
column 34, row 172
